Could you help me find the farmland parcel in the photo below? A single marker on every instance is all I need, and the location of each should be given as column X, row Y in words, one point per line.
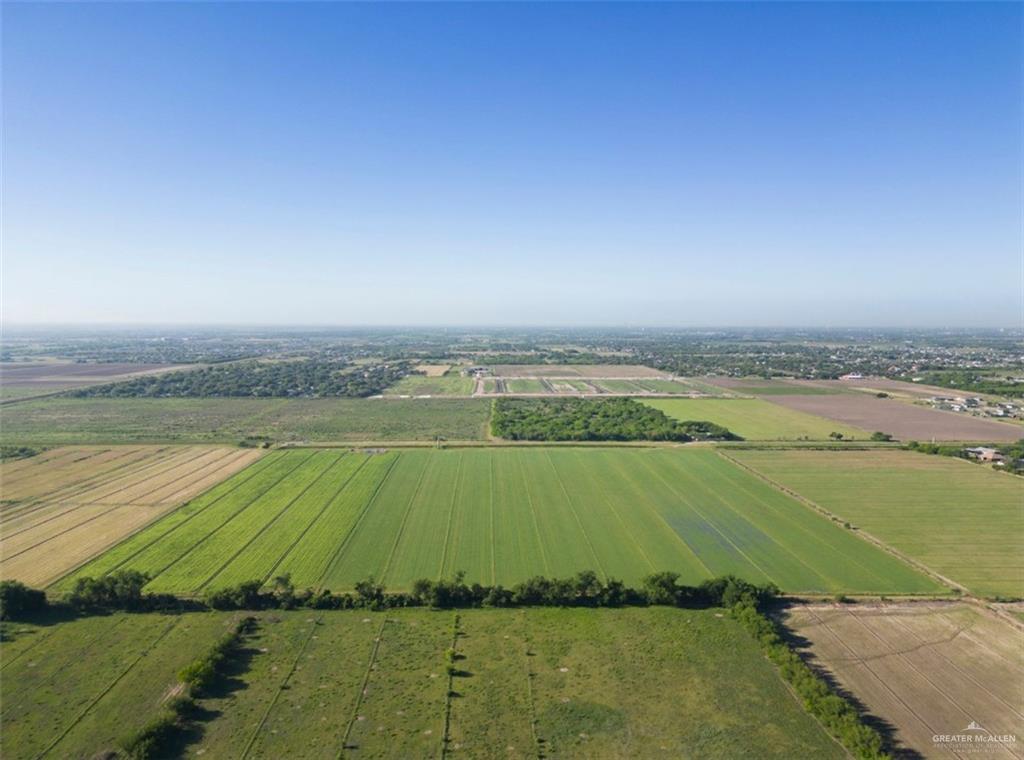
column 228, row 420
column 756, row 420
column 902, row 420
column 926, row 669
column 67, row 505
column 502, row 515
column 958, row 518
column 565, row 682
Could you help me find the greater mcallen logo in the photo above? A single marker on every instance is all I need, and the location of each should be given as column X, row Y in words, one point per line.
column 974, row 735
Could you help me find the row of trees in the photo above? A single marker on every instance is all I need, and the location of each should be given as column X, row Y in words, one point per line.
column 300, row 378
column 577, row 419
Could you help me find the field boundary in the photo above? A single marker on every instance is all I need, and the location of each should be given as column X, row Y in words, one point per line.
column 859, row 531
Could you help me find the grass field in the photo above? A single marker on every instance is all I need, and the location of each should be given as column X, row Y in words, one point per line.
column 75, row 688
column 958, row 518
column 441, row 385
column 755, row 420
column 227, row 420
column 525, row 385
column 568, row 682
column 67, row 505
column 502, row 515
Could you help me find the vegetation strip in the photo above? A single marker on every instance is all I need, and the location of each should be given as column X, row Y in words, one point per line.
column 355, row 525
column 362, row 689
column 327, row 505
column 451, row 669
column 283, row 686
column 269, row 524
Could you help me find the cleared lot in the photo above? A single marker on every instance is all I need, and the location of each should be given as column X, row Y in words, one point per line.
column 905, row 421
column 69, row 504
column 925, row 669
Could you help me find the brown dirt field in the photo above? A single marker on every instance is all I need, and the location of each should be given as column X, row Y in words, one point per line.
column 607, row 371
column 923, row 668
column 59, row 523
column 74, row 373
column 904, row 421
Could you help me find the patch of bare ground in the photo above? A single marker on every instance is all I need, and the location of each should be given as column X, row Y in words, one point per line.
column 904, row 421
column 922, row 670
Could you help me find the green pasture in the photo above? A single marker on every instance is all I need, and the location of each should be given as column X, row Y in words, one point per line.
column 628, row 682
column 452, row 384
column 227, row 420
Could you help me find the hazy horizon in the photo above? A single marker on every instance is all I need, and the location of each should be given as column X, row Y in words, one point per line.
column 513, row 165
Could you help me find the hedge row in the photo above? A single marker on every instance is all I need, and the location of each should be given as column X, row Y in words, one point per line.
column 836, row 714
column 152, row 740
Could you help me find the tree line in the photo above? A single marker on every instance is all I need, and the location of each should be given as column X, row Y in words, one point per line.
column 578, row 419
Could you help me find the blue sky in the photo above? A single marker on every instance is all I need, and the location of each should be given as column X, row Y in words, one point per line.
column 657, row 164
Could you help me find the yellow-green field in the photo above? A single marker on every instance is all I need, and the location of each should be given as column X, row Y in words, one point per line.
column 501, row 515
column 756, row 420
column 960, row 519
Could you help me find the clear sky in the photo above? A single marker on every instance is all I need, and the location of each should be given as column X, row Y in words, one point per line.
column 669, row 164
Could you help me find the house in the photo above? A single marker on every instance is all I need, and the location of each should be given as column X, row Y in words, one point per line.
column 984, row 454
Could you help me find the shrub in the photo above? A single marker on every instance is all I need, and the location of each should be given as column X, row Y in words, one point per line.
column 17, row 599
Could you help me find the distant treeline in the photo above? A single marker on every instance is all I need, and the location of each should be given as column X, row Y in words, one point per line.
column 300, row 378
column 18, row 452
column 990, row 382
column 577, row 419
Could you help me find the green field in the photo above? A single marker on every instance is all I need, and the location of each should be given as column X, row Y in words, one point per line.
column 754, row 419
column 525, row 385
column 574, row 683
column 960, row 519
column 123, row 420
column 445, row 385
column 501, row 515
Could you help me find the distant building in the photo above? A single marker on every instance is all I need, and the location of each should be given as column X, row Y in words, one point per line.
column 852, row 376
column 985, row 454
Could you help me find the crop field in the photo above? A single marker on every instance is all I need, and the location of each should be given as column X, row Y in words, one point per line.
column 924, row 669
column 904, row 421
column 565, row 682
column 228, row 420
column 575, row 370
column 502, row 515
column 67, row 505
column 756, row 420
column 526, row 385
column 436, row 385
column 958, row 518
